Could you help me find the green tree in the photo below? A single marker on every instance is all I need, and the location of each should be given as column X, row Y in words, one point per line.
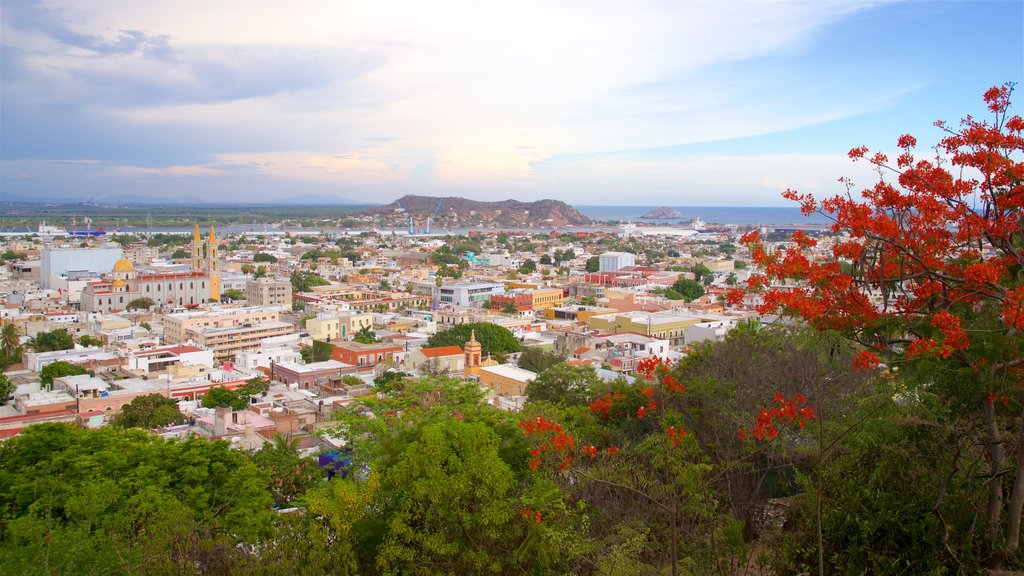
column 318, row 352
column 291, row 475
column 6, row 389
column 494, row 340
column 264, row 257
column 509, row 308
column 232, row 294
column 593, row 264
column 536, row 359
column 116, row 501
column 390, row 380
column 589, row 300
column 140, row 304
column 690, row 289
column 10, row 340
column 546, row 260
column 365, row 335
column 528, row 267
column 149, row 411
column 218, row 395
column 179, row 254
column 50, row 341
column 89, row 341
column 59, row 369
column 564, row 384
column 703, row 274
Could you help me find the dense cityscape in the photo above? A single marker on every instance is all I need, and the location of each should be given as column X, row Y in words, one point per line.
column 724, row 288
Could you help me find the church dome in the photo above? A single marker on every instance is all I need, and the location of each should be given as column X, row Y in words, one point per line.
column 123, row 265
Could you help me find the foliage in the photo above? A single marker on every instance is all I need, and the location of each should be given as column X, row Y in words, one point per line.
column 940, row 244
column 264, row 257
column 537, row 359
column 58, row 339
column 179, row 254
column 142, row 303
column 303, row 281
column 291, row 475
column 149, row 411
column 593, row 264
column 365, row 335
column 59, row 369
column 221, row 395
column 6, row 389
column 106, row 501
column 564, row 384
column 494, row 340
column 689, row 289
column 318, row 352
column 527, row 267
column 232, row 294
column 90, row 341
column 389, row 381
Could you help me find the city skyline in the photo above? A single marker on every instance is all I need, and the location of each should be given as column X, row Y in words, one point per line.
column 693, row 103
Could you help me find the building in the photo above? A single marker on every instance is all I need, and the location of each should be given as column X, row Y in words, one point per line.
column 306, row 376
column 125, row 284
column 359, row 354
column 468, row 293
column 56, row 263
column 343, row 326
column 669, row 326
column 269, row 291
column 177, row 326
column 439, row 360
column 229, row 340
column 160, row 359
column 615, row 261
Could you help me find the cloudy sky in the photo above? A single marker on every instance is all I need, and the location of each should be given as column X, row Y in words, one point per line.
column 706, row 103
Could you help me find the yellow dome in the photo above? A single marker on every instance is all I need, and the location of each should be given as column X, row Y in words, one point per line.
column 123, row 265
column 118, row 283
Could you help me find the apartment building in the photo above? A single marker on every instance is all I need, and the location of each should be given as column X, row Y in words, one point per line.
column 177, row 326
column 269, row 292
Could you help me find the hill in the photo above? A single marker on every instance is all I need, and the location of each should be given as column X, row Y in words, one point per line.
column 462, row 211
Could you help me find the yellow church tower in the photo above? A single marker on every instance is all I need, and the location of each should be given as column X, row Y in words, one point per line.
column 474, row 355
column 197, row 250
column 212, row 264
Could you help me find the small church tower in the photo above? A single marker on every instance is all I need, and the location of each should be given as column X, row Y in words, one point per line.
column 197, row 250
column 474, row 354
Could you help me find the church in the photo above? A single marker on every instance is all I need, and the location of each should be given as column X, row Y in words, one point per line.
column 126, row 284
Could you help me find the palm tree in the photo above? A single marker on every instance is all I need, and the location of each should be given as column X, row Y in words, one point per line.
column 10, row 340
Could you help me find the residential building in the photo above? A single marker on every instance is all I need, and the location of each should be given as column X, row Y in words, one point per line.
column 439, row 360
column 359, row 354
column 176, row 326
column 269, row 292
column 229, row 340
column 669, row 326
column 343, row 326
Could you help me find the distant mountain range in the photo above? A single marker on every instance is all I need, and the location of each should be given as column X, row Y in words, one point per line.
column 453, row 210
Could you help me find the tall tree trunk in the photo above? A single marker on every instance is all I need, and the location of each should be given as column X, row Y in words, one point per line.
column 997, row 455
column 1013, row 511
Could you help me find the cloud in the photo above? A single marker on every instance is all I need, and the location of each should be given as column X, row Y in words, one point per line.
column 534, row 97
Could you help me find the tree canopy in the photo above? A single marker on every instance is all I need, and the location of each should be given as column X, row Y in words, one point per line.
column 494, row 340
column 58, row 369
column 149, row 411
column 58, row 339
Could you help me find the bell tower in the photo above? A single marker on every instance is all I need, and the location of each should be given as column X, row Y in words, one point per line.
column 197, row 250
column 474, row 354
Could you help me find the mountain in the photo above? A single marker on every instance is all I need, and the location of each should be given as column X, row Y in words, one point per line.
column 453, row 210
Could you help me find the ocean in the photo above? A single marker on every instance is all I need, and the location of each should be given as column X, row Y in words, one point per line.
column 709, row 214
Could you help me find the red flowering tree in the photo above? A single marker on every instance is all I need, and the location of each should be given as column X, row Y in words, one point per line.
column 928, row 271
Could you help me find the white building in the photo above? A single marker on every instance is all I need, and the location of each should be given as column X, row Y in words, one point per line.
column 468, row 293
column 615, row 261
column 57, row 262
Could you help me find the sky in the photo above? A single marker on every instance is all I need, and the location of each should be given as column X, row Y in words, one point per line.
column 680, row 103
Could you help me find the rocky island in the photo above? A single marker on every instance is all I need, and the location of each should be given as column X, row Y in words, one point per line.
column 663, row 213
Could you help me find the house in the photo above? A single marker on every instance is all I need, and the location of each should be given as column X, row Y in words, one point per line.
column 439, row 360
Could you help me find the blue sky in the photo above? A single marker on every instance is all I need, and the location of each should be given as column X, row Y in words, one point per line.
column 598, row 102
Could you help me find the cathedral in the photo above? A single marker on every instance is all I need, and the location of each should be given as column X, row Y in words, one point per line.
column 126, row 284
